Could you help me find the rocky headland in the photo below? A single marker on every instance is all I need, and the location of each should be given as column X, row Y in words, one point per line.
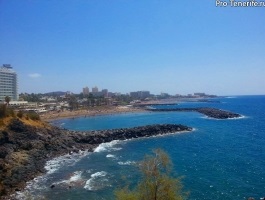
column 24, row 149
column 209, row 112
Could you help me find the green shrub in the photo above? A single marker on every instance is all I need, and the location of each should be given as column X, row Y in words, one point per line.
column 10, row 112
column 20, row 114
column 157, row 181
column 33, row 116
column 5, row 111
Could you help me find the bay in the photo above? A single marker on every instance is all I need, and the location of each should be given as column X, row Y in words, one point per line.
column 220, row 159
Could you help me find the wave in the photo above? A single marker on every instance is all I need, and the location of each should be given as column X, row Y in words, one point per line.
column 40, row 183
column 110, row 156
column 26, row 195
column 108, row 146
column 96, row 182
column 234, row 118
column 127, row 163
column 53, row 165
column 75, row 178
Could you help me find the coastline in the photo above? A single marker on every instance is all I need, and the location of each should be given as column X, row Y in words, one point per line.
column 37, row 145
column 53, row 164
column 26, row 149
column 110, row 110
column 96, row 111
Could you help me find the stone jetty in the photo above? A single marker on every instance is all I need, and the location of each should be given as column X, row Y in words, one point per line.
column 209, row 112
column 25, row 149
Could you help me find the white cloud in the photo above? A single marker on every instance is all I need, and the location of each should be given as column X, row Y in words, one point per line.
column 34, row 75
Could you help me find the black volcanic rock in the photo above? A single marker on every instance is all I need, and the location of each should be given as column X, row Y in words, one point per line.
column 209, row 112
column 217, row 113
column 25, row 149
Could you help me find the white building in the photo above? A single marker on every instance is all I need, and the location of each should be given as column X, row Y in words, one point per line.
column 8, row 83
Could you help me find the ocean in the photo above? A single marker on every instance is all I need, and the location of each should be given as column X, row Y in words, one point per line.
column 220, row 159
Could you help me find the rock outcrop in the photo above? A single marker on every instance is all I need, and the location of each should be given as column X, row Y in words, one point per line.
column 217, row 113
column 209, row 112
column 24, row 149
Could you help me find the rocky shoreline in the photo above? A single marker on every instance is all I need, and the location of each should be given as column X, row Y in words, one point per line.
column 25, row 149
column 209, row 112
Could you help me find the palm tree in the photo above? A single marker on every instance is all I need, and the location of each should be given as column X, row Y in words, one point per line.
column 7, row 100
column 73, row 103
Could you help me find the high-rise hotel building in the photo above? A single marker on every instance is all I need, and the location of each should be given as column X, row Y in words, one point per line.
column 8, row 83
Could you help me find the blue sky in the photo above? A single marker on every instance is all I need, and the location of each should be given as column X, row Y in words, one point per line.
column 172, row 46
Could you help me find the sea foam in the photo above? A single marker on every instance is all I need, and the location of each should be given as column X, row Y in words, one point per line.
column 109, row 146
column 39, row 183
column 126, row 163
column 94, row 183
column 69, row 160
column 110, row 156
column 76, row 177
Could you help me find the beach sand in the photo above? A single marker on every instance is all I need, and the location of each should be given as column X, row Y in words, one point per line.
column 100, row 110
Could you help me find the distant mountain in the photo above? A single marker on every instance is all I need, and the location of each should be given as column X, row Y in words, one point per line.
column 57, row 93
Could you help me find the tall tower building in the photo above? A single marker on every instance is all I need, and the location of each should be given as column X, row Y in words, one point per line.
column 85, row 91
column 8, row 83
column 105, row 92
column 95, row 89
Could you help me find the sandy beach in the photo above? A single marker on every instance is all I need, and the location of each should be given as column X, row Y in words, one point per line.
column 102, row 110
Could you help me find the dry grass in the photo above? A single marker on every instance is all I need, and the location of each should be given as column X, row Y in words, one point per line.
column 4, row 122
column 35, row 123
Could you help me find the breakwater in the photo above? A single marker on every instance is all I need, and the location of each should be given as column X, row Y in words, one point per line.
column 154, row 104
column 25, row 149
column 209, row 112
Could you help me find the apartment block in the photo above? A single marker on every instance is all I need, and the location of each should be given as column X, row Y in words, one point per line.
column 8, row 83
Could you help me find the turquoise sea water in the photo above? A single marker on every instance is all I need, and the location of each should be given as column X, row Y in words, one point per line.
column 221, row 159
